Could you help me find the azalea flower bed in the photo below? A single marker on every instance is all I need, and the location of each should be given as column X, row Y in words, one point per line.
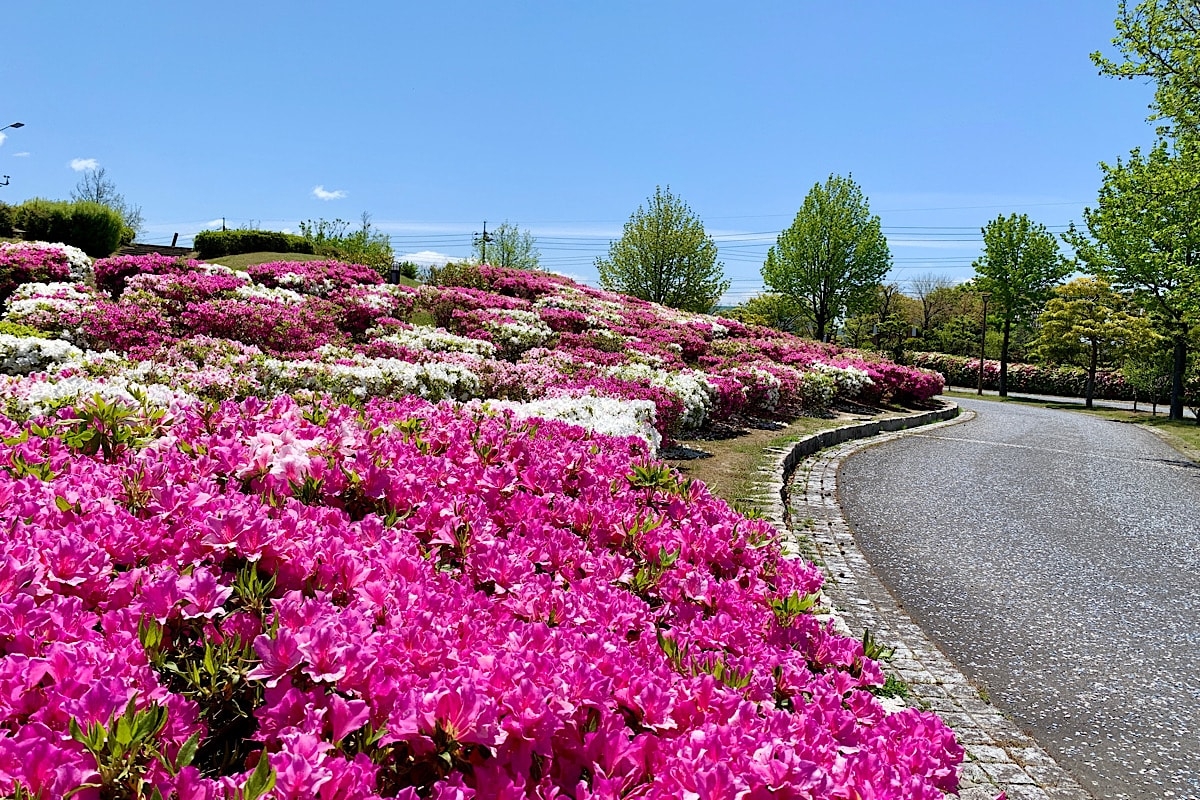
column 220, row 579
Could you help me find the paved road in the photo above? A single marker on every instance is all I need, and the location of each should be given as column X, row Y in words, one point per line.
column 1055, row 557
column 1124, row 405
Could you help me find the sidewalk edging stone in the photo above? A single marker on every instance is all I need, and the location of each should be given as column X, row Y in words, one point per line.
column 802, row 482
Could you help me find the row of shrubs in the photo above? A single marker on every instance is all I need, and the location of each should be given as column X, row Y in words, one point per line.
column 214, row 244
column 1030, row 378
column 94, row 228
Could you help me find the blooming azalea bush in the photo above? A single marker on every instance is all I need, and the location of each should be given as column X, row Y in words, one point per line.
column 1033, row 378
column 190, row 593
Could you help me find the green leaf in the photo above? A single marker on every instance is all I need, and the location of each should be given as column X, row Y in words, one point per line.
column 261, row 781
column 188, row 751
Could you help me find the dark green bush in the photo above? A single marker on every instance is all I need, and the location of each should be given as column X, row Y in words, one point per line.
column 94, row 228
column 214, row 244
column 6, row 221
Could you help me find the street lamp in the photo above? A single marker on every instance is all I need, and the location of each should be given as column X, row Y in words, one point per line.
column 13, row 125
column 983, row 338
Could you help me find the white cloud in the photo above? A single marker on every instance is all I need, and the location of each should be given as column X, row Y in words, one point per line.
column 3, row 136
column 213, row 223
column 84, row 164
column 22, row 154
column 320, row 193
column 427, row 258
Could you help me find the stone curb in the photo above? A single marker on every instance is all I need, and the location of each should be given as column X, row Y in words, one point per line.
column 803, row 484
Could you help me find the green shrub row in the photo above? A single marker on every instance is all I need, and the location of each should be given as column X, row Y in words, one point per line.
column 214, row 244
column 94, row 228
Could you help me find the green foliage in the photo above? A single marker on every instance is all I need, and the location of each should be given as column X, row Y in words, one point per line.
column 6, row 220
column 127, row 747
column 788, row 609
column 109, row 428
column 1142, row 238
column 24, row 331
column 409, row 270
column 94, row 228
column 1020, row 266
column 772, row 310
column 873, row 649
column 334, row 239
column 832, row 257
column 665, row 256
column 214, row 244
column 214, row 675
column 1159, row 39
column 509, row 246
column 95, row 186
column 715, row 664
column 458, row 273
column 892, row 687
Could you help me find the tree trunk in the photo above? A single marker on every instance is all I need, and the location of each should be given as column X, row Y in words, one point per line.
column 1177, row 370
column 1090, row 391
column 1004, row 357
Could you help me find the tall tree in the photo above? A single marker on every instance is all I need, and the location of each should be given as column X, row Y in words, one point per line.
column 1083, row 321
column 935, row 293
column 95, row 186
column 832, row 257
column 509, row 246
column 1019, row 266
column 1144, row 236
column 665, row 256
column 1160, row 40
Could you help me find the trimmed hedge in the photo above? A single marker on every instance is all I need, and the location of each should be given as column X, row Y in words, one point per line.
column 214, row 244
column 6, row 220
column 94, row 228
column 1030, row 378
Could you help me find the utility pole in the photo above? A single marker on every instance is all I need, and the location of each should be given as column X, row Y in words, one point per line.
column 481, row 241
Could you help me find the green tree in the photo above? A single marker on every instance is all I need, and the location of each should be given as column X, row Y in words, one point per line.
column 772, row 310
column 95, row 186
column 1084, row 321
column 1160, row 39
column 665, row 256
column 1143, row 237
column 832, row 257
column 508, row 246
column 1019, row 266
column 334, row 239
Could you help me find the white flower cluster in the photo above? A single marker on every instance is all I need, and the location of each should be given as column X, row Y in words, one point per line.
column 79, row 262
column 381, row 297
column 285, row 296
column 693, row 389
column 21, row 355
column 373, row 377
column 817, row 388
column 850, row 380
column 36, row 397
column 764, row 379
column 30, row 298
column 438, row 340
column 606, row 415
column 524, row 331
column 319, row 288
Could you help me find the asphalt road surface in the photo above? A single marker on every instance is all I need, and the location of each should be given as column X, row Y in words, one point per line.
column 1055, row 557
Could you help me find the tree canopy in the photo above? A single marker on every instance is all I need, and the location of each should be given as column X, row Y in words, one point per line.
column 665, row 256
column 832, row 257
column 1160, row 40
column 508, row 246
column 95, row 186
column 1142, row 236
column 1019, row 266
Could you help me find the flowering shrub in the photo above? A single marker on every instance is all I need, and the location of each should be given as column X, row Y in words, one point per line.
column 57, row 308
column 21, row 355
column 315, row 589
column 1032, row 378
column 30, row 261
column 112, row 273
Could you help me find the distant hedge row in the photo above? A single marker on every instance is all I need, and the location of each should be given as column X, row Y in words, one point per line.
column 94, row 228
column 214, row 244
column 1028, row 378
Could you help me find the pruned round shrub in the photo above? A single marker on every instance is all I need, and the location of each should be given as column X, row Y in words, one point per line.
column 214, row 244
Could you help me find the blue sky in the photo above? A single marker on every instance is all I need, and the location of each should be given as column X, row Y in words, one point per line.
column 562, row 117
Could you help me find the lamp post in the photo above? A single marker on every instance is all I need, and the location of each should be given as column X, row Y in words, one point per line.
column 6, row 127
column 983, row 338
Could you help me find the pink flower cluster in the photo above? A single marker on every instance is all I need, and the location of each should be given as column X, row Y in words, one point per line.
column 408, row 600
column 20, row 265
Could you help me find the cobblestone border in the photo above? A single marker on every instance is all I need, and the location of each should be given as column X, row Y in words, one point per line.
column 802, row 482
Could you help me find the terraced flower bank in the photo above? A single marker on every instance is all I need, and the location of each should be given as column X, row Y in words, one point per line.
column 219, row 579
